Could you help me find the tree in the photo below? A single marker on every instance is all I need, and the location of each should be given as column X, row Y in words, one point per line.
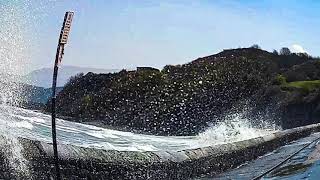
column 280, row 80
column 305, row 55
column 74, row 78
column 285, row 51
column 275, row 52
column 255, row 46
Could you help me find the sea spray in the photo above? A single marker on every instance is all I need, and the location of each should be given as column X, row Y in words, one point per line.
column 236, row 126
column 236, row 129
column 15, row 162
column 14, row 56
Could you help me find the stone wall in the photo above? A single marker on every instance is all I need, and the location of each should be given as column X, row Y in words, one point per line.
column 86, row 163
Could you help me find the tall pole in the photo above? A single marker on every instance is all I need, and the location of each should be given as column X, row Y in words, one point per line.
column 60, row 51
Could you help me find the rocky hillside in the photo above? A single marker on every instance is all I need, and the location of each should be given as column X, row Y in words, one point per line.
column 177, row 100
column 293, row 98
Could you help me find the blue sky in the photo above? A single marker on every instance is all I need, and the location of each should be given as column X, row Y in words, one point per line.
column 116, row 34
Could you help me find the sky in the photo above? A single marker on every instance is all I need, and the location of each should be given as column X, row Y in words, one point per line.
column 114, row 34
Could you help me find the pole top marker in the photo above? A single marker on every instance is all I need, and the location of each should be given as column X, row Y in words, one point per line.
column 66, row 27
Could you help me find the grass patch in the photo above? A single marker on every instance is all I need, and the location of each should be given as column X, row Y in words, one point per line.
column 306, row 86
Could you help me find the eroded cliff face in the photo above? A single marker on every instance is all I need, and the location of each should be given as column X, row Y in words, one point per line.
column 300, row 109
column 295, row 102
column 178, row 100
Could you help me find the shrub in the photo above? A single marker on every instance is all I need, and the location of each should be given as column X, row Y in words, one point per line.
column 280, row 80
column 87, row 100
column 255, row 46
column 73, row 79
column 275, row 52
column 285, row 51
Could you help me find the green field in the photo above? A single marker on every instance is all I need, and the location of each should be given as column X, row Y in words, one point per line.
column 307, row 86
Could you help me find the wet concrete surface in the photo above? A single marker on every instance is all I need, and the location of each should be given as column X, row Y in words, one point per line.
column 304, row 165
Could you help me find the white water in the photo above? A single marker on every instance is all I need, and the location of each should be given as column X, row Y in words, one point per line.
column 37, row 126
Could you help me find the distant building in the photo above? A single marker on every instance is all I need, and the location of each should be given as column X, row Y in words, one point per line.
column 141, row 69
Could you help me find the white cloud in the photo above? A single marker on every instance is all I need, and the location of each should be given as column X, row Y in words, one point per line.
column 296, row 48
